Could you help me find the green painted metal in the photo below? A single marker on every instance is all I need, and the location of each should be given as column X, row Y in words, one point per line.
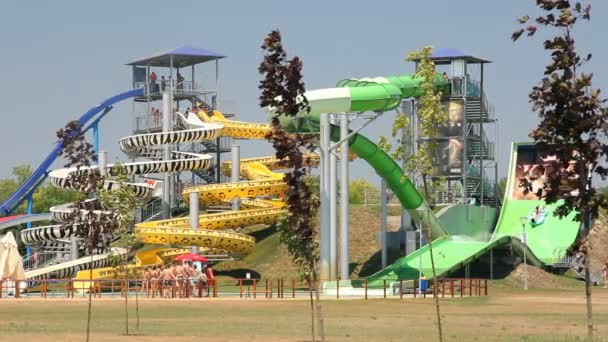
column 469, row 220
column 547, row 243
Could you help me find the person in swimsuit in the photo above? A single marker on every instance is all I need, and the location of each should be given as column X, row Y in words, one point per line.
column 168, row 280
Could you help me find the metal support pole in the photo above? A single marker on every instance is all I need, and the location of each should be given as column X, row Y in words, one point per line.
column 525, row 263
column 333, row 215
column 325, row 241
column 383, row 222
column 166, row 203
column 218, row 160
column 217, row 79
column 192, row 83
column 30, row 211
column 497, row 194
column 481, row 147
column 492, row 264
column 96, row 138
column 344, row 205
column 236, row 172
column 194, row 212
column 102, row 162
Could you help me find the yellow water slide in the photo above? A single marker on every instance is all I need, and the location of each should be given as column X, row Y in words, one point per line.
column 261, row 203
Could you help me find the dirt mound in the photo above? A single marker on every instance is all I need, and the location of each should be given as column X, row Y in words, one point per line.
column 538, row 278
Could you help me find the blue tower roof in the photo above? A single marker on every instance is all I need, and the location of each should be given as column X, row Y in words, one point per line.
column 183, row 56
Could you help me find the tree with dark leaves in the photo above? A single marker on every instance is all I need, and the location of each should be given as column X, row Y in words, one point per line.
column 92, row 221
column 282, row 90
column 573, row 123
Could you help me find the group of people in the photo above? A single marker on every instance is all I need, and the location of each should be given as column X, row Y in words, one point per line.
column 179, row 277
column 155, row 87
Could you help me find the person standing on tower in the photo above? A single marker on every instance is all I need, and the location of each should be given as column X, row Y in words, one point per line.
column 163, row 83
column 153, row 79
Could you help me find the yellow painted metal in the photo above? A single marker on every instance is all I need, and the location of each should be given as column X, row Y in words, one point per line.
column 236, row 129
column 262, row 182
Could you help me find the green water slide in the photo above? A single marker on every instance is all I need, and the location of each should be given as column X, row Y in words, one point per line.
column 547, row 242
column 378, row 94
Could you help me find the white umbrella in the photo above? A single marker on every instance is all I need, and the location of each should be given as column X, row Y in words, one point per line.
column 11, row 263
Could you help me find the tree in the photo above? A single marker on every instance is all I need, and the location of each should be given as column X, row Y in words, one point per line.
column 93, row 223
column 123, row 202
column 282, row 90
column 573, row 123
column 431, row 116
column 357, row 189
column 502, row 185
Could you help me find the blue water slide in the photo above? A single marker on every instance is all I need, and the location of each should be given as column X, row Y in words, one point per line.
column 40, row 173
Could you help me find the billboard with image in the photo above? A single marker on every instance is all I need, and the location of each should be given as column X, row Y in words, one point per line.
column 449, row 157
column 532, row 172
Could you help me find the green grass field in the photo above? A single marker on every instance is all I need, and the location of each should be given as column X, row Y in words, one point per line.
column 506, row 315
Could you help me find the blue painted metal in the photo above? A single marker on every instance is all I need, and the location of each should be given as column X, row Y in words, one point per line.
column 96, row 139
column 95, row 126
column 41, row 172
column 30, row 211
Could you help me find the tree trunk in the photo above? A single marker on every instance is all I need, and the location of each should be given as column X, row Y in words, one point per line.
column 435, row 286
column 312, row 309
column 90, row 296
column 319, row 311
column 586, row 227
column 126, row 280
column 137, row 308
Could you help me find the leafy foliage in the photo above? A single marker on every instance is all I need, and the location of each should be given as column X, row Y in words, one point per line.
column 573, row 123
column 94, row 224
column 573, row 118
column 283, row 90
column 431, row 116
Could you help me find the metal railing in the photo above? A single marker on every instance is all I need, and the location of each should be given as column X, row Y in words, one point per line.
column 243, row 288
column 39, row 259
column 179, row 88
column 151, row 208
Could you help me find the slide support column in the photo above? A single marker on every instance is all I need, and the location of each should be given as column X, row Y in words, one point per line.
column 194, row 212
column 344, row 214
column 333, row 214
column 383, row 222
column 166, row 203
column 235, row 175
column 324, row 197
column 96, row 138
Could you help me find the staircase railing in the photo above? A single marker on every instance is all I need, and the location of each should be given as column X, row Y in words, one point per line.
column 151, row 208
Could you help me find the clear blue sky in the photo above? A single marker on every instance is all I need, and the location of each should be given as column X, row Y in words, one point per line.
column 61, row 57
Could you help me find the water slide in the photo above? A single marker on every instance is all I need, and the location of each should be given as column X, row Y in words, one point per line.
column 262, row 182
column 546, row 242
column 40, row 174
column 15, row 220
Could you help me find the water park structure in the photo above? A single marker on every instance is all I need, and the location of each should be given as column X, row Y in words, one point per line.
column 178, row 147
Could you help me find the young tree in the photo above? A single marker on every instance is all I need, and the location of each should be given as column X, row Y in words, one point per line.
column 283, row 90
column 573, row 123
column 431, row 116
column 122, row 202
column 92, row 223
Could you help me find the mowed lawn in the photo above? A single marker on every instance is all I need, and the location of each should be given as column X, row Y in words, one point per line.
column 538, row 315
